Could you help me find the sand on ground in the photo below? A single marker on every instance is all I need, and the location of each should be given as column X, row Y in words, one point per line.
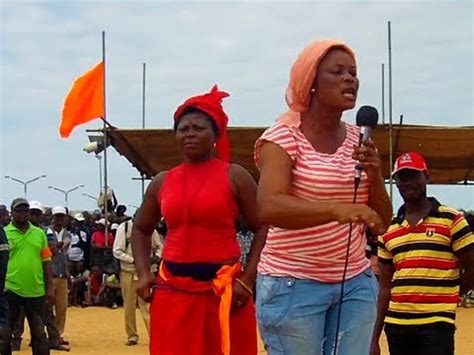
column 100, row 331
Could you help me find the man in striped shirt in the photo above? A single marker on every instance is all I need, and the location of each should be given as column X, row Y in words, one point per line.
column 420, row 259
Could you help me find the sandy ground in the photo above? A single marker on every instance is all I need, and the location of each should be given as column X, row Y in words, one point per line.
column 100, row 331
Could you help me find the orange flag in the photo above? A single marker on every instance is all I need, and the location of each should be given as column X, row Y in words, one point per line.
column 85, row 100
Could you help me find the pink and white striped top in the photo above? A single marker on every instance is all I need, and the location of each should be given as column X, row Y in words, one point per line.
column 316, row 253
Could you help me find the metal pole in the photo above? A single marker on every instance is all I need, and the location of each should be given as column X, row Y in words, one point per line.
column 65, row 198
column 383, row 93
column 390, row 107
column 25, row 190
column 100, row 176
column 105, row 149
column 100, row 172
column 143, row 121
column 143, row 95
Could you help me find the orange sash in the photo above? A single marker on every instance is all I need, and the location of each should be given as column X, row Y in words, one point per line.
column 221, row 285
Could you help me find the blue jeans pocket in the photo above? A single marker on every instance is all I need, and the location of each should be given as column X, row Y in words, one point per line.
column 273, row 299
column 372, row 283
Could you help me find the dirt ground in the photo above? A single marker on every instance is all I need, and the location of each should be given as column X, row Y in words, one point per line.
column 100, row 331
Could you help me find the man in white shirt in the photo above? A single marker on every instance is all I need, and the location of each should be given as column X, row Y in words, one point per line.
column 122, row 250
column 59, row 241
column 78, row 242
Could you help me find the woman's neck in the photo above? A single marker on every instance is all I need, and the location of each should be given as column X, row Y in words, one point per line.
column 197, row 160
column 321, row 119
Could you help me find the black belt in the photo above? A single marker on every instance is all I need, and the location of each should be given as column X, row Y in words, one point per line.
column 197, row 271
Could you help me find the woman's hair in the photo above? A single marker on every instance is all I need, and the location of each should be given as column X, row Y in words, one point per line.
column 192, row 109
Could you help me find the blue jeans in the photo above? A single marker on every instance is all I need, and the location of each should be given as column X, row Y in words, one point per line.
column 298, row 317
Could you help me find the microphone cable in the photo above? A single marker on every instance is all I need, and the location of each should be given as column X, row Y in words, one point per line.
column 346, row 264
column 366, row 118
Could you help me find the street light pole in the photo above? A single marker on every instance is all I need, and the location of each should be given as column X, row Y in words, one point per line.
column 25, row 183
column 99, row 158
column 90, row 196
column 65, row 192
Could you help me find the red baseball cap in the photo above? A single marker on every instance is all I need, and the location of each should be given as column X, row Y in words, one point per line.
column 411, row 160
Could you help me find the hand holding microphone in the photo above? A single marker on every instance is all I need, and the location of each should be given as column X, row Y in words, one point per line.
column 366, row 153
column 369, row 160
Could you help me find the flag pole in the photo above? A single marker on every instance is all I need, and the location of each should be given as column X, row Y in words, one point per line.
column 105, row 150
column 143, row 122
column 390, row 111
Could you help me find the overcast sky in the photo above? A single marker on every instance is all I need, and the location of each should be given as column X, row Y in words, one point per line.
column 245, row 47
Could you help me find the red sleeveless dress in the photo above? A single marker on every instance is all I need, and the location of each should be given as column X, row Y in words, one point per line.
column 186, row 315
column 200, row 210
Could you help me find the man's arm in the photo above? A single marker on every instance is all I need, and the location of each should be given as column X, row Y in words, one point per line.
column 466, row 259
column 101, row 290
column 49, row 244
column 48, row 280
column 462, row 242
column 385, row 277
column 88, row 291
column 113, row 285
column 119, row 248
column 114, row 199
column 157, row 242
column 80, row 279
column 67, row 238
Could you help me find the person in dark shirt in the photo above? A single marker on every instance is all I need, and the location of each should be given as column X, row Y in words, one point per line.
column 5, row 218
column 120, row 215
column 4, row 251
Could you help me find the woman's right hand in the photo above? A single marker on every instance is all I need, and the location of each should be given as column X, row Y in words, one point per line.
column 144, row 287
column 355, row 213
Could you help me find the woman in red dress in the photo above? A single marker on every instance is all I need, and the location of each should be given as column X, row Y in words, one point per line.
column 201, row 302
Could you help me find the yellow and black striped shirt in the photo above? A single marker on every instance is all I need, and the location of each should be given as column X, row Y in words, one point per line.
column 425, row 285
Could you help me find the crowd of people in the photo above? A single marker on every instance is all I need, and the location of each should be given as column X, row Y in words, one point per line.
column 301, row 272
column 87, row 269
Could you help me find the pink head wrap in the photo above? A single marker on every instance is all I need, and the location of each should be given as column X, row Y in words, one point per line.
column 302, row 76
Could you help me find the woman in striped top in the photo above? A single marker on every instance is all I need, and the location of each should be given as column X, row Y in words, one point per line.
column 306, row 161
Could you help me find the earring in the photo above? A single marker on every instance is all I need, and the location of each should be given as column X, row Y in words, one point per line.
column 313, row 90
